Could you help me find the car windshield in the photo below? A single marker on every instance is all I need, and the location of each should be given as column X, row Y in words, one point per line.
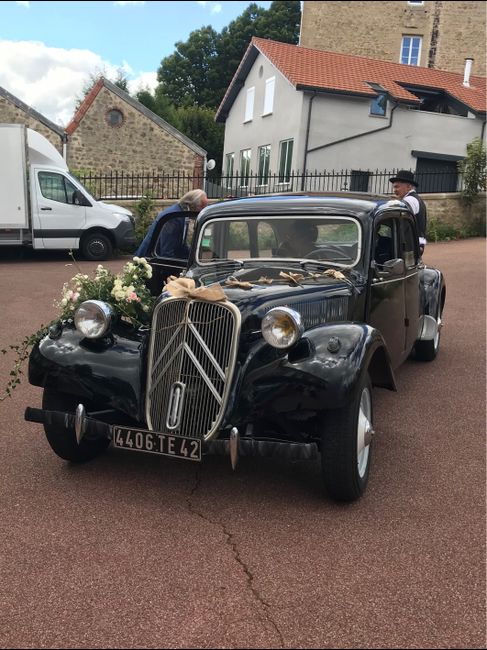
column 328, row 239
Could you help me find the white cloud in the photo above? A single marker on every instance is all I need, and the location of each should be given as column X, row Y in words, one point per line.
column 123, row 3
column 216, row 8
column 50, row 79
column 23, row 4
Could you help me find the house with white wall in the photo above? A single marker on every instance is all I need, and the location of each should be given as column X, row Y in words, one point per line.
column 293, row 109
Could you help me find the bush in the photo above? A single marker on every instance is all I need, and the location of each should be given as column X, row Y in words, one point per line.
column 473, row 169
column 145, row 214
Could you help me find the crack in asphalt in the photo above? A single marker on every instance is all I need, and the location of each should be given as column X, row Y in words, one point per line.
column 230, row 541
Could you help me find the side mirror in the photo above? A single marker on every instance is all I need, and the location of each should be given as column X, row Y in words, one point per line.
column 80, row 199
column 391, row 268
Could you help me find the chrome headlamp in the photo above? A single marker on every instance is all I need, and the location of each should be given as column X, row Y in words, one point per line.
column 282, row 327
column 93, row 318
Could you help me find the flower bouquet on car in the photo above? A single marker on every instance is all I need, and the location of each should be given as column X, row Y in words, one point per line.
column 85, row 299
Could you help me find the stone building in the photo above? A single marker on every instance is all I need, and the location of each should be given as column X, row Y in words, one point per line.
column 437, row 35
column 111, row 131
column 14, row 111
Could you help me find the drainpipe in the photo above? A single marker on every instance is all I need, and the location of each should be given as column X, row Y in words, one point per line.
column 310, row 105
column 358, row 135
column 64, row 140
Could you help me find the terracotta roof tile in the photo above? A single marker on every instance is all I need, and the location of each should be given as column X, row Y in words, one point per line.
column 317, row 69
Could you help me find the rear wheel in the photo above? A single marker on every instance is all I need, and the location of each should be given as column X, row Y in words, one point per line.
column 96, row 246
column 63, row 441
column 346, row 445
column 427, row 350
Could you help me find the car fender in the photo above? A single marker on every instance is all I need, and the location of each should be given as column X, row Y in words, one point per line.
column 432, row 300
column 309, row 378
column 341, row 351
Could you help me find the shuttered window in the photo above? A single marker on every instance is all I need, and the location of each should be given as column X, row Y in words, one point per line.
column 269, row 96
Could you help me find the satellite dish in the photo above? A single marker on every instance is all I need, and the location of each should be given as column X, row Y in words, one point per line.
column 210, row 165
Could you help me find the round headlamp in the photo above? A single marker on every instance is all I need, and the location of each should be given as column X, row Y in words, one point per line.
column 93, row 318
column 282, row 327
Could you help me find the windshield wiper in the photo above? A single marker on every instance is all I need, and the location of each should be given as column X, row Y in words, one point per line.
column 305, row 263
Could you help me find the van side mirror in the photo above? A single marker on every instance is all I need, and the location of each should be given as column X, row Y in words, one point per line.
column 80, row 199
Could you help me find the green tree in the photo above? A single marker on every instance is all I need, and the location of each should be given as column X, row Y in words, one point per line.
column 201, row 69
column 188, row 76
column 473, row 169
column 198, row 123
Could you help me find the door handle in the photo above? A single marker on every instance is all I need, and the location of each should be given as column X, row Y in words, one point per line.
column 46, row 208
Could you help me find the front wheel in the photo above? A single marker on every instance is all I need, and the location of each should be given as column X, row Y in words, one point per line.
column 96, row 246
column 346, row 445
column 63, row 441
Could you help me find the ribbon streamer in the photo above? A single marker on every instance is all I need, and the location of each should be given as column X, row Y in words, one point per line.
column 293, row 278
column 186, row 288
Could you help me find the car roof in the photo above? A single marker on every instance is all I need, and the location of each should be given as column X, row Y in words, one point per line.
column 347, row 203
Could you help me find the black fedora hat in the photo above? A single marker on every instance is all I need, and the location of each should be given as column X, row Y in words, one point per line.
column 404, row 176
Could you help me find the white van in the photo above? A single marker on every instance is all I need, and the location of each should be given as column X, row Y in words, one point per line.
column 43, row 206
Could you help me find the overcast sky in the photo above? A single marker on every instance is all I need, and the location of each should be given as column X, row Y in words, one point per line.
column 48, row 50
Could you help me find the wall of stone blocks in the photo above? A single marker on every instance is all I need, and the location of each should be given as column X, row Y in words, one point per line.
column 139, row 145
column 11, row 114
column 375, row 29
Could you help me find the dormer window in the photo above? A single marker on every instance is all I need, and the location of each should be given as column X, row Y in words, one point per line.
column 378, row 105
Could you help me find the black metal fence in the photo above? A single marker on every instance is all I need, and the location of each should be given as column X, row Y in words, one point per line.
column 123, row 185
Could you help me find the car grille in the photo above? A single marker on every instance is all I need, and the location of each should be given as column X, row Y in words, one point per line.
column 191, row 362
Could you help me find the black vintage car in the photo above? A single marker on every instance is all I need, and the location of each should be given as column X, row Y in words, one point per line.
column 289, row 310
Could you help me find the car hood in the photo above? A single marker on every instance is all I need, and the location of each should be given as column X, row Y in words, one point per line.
column 255, row 291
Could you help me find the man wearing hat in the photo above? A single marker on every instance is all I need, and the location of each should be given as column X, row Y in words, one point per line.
column 403, row 186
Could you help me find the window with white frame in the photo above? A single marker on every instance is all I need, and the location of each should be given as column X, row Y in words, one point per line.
column 411, row 50
column 245, row 156
column 249, row 104
column 285, row 160
column 229, row 162
column 269, row 96
column 264, row 160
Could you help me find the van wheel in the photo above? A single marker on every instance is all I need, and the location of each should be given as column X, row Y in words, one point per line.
column 96, row 246
column 345, row 445
column 63, row 441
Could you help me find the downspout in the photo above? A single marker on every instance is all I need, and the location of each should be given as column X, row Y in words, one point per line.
column 310, row 105
column 358, row 135
column 64, row 140
column 482, row 132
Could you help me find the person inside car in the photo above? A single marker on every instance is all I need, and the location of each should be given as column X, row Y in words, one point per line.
column 300, row 240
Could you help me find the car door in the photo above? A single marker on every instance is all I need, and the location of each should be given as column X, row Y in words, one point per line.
column 387, row 309
column 59, row 218
column 410, row 254
column 179, row 227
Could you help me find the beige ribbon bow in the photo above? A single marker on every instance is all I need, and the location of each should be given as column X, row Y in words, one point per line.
column 293, row 278
column 186, row 288
column 238, row 284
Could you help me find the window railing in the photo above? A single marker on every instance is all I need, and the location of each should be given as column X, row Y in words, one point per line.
column 126, row 185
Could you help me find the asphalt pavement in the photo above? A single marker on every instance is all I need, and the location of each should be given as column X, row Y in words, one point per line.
column 133, row 551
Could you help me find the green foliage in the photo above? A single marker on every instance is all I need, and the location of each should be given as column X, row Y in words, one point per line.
column 198, row 123
column 144, row 215
column 202, row 67
column 83, row 172
column 441, row 231
column 126, row 293
column 473, row 169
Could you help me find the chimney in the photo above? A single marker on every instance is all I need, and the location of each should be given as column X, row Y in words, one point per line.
column 466, row 74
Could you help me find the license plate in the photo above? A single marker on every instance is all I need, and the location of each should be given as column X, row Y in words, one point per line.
column 152, row 442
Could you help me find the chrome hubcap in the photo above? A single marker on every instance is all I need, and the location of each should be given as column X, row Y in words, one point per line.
column 364, row 432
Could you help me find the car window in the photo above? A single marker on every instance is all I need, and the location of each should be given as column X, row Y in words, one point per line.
column 408, row 244
column 266, row 239
column 384, row 244
column 331, row 239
